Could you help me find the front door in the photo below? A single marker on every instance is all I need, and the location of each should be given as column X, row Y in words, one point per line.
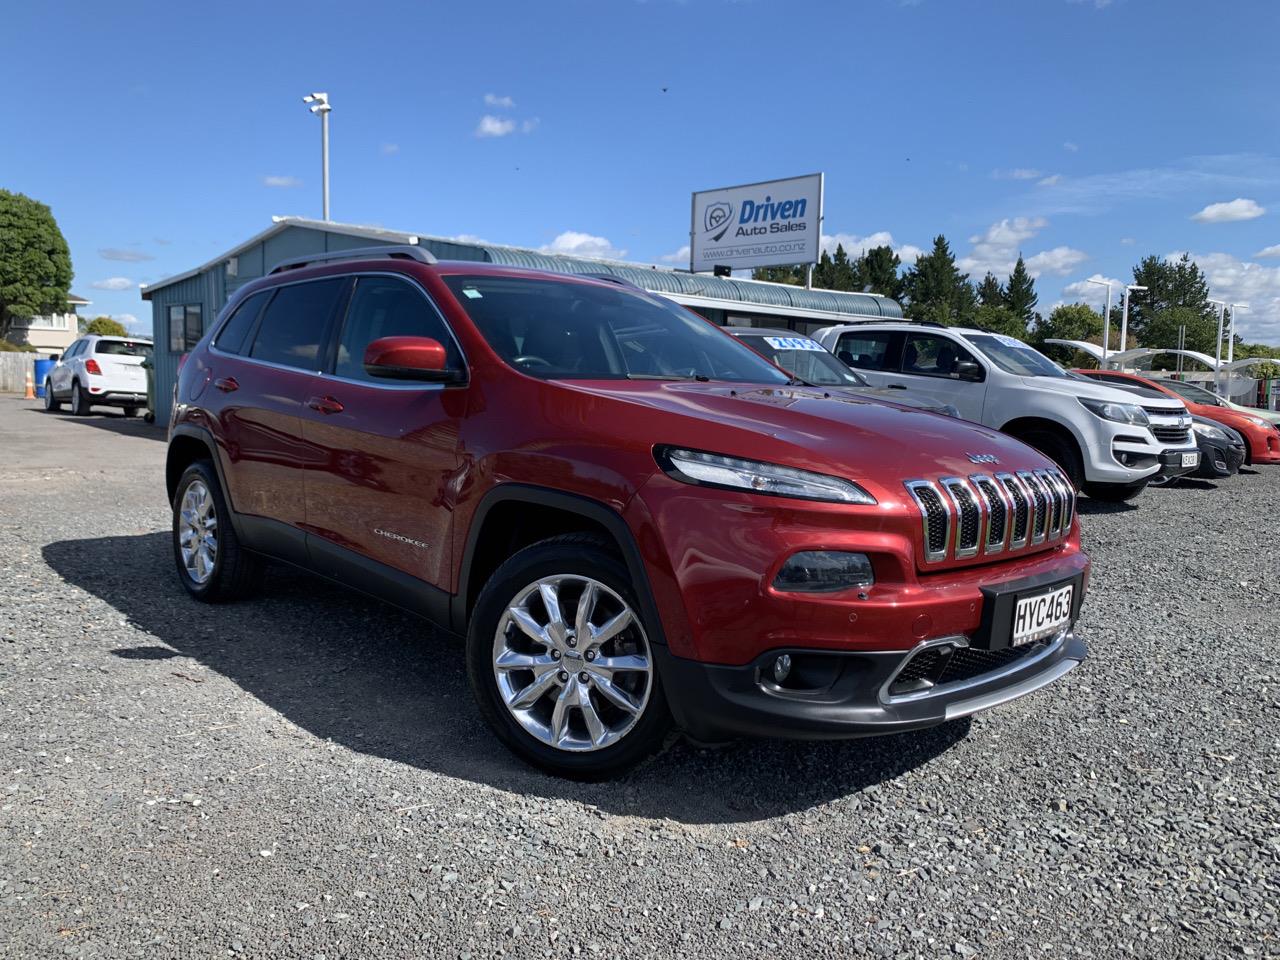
column 930, row 367
column 386, row 481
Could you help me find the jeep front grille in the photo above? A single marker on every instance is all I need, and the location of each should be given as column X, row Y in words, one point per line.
column 963, row 517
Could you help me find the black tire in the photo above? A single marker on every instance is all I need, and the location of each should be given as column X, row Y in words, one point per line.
column 79, row 400
column 1061, row 451
column 1114, row 492
column 51, row 403
column 572, row 555
column 236, row 571
column 130, row 412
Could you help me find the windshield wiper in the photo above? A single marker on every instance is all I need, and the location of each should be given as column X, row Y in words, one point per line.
column 695, row 378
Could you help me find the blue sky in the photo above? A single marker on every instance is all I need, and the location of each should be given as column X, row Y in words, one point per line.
column 1085, row 133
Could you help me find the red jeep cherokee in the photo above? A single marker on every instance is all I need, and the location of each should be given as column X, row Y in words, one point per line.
column 631, row 516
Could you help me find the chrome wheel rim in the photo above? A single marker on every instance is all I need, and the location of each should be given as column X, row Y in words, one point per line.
column 198, row 532
column 572, row 663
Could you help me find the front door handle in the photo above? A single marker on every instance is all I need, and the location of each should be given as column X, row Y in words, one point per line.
column 226, row 384
column 897, row 386
column 325, row 404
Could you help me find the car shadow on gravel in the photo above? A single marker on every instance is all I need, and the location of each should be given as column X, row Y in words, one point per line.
column 1088, row 506
column 373, row 679
column 114, row 422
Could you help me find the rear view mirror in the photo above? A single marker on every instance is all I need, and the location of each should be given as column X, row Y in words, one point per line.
column 409, row 358
column 969, row 370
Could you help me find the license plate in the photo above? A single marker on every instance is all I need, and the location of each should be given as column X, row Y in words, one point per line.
column 1035, row 618
column 1191, row 459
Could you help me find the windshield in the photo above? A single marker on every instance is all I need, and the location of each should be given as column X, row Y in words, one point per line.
column 123, row 348
column 1192, row 392
column 1014, row 356
column 561, row 330
column 805, row 359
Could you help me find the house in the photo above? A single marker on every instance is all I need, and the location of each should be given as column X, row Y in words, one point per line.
column 51, row 333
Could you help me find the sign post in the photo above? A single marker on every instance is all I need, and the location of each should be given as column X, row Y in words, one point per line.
column 774, row 223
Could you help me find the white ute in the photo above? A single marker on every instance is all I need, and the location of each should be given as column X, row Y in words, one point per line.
column 99, row 371
column 1108, row 445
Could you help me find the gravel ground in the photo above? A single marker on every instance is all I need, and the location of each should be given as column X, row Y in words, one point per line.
column 304, row 775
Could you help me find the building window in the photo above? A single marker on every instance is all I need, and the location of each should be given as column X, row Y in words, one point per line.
column 186, row 326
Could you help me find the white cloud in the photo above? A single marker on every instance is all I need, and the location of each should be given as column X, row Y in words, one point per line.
column 1059, row 261
column 389, row 149
column 997, row 250
column 1241, row 281
column 1071, row 147
column 491, row 126
column 576, row 244
column 679, row 256
column 130, row 322
column 1230, row 211
column 469, row 238
column 283, row 182
column 127, row 256
column 112, row 283
column 493, row 100
column 1271, row 251
column 1093, row 294
column 856, row 246
column 1017, row 173
column 1128, row 241
column 1051, row 181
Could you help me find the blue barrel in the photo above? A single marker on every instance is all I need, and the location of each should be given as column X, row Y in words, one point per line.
column 42, row 370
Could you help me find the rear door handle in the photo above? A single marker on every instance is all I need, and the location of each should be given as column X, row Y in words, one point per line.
column 226, row 384
column 897, row 386
column 325, row 404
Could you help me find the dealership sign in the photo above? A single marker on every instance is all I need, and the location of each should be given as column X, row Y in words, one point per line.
column 767, row 224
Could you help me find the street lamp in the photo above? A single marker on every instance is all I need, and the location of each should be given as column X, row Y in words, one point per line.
column 1231, row 337
column 1106, row 320
column 320, row 105
column 1124, row 316
column 1217, row 365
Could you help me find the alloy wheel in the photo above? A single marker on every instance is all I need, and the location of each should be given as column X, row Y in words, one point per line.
column 572, row 663
column 198, row 532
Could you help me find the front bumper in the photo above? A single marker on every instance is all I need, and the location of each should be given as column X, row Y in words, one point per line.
column 714, row 702
column 1172, row 465
column 1219, row 459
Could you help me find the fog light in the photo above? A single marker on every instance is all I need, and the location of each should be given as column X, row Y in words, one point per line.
column 824, row 571
column 781, row 668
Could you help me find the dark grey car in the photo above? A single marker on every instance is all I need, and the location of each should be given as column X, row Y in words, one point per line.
column 812, row 364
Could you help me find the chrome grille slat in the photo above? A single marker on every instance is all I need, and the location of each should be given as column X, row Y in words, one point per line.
column 935, row 519
column 969, row 516
column 1017, row 491
column 1038, row 506
column 1050, row 483
column 999, row 512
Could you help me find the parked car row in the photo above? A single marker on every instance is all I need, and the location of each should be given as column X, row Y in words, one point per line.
column 636, row 519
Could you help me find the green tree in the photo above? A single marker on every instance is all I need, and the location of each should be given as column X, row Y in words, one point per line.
column 793, row 275
column 998, row 318
column 842, row 273
column 1162, row 329
column 1020, row 292
column 1069, row 321
column 876, row 271
column 35, row 262
column 990, row 293
column 106, row 327
column 1169, row 284
column 935, row 288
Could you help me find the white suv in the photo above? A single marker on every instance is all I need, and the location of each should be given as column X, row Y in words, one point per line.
column 1108, row 445
column 101, row 371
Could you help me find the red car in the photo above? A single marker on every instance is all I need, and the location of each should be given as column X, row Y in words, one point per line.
column 1261, row 437
column 631, row 516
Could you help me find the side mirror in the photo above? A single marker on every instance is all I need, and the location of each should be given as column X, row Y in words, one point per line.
column 55, row 357
column 969, row 370
column 409, row 358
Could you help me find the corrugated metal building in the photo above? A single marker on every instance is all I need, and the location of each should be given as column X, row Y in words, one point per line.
column 184, row 305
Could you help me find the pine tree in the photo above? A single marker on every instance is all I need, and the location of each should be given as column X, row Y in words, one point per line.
column 842, row 277
column 1020, row 292
column 937, row 290
column 990, row 293
column 876, row 271
column 1169, row 284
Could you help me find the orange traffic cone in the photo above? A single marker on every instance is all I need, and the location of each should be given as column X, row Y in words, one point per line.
column 31, row 388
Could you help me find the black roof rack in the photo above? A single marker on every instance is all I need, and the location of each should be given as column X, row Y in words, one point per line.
column 387, row 252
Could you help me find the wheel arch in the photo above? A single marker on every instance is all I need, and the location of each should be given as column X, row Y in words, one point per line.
column 187, row 444
column 512, row 516
column 1022, row 427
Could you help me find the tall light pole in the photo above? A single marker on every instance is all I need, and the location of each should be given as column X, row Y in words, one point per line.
column 1231, row 335
column 1217, row 365
column 1106, row 320
column 1124, row 316
column 320, row 105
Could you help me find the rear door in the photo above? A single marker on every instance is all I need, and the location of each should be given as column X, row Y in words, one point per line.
column 873, row 353
column 60, row 375
column 389, row 464
column 262, row 363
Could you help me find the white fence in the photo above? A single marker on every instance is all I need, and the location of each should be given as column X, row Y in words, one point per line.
column 14, row 368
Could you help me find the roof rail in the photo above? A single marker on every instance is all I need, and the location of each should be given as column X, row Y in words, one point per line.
column 612, row 278
column 387, row 252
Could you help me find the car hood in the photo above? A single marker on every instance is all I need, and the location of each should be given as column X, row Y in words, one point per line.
column 811, row 429
column 900, row 397
column 1270, row 416
column 1098, row 391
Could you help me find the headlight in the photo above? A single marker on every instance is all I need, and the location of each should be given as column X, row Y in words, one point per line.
column 1256, row 421
column 733, row 473
column 1129, row 413
column 1208, row 430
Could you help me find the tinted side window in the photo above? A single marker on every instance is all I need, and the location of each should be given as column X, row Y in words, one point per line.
column 73, row 350
column 866, row 351
column 386, row 307
column 930, row 355
column 231, row 336
column 295, row 323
